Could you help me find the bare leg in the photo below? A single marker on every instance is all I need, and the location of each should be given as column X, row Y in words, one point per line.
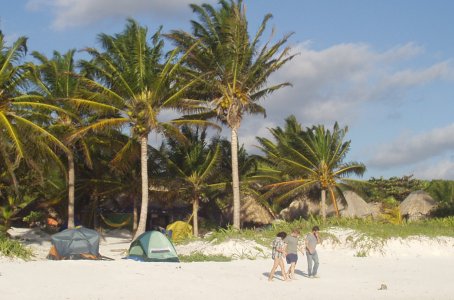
column 291, row 270
column 284, row 274
column 273, row 270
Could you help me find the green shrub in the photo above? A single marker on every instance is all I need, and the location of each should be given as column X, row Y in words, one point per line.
column 34, row 218
column 441, row 190
column 443, row 210
column 397, row 187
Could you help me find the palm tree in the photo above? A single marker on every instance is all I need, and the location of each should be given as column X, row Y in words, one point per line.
column 106, row 180
column 302, row 159
column 22, row 118
column 130, row 78
column 238, row 69
column 56, row 81
column 193, row 165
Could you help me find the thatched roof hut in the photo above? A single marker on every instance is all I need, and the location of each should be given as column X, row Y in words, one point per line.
column 417, row 205
column 300, row 208
column 375, row 208
column 355, row 207
column 251, row 212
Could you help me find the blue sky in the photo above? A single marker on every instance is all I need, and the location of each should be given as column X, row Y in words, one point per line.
column 383, row 68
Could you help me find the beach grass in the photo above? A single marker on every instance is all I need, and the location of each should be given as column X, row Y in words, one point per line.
column 376, row 229
column 369, row 227
column 14, row 249
column 368, row 235
column 198, row 257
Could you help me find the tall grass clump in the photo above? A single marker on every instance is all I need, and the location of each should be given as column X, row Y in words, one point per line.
column 14, row 249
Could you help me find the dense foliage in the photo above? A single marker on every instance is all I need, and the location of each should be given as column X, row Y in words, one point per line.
column 443, row 192
column 301, row 159
column 396, row 187
column 235, row 67
column 74, row 134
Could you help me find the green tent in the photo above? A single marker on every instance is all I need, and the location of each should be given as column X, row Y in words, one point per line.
column 153, row 246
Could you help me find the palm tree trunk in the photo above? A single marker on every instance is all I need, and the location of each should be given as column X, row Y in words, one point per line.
column 95, row 200
column 235, row 179
column 71, row 180
column 323, row 204
column 144, row 173
column 195, row 218
column 10, row 168
column 135, row 214
column 333, row 198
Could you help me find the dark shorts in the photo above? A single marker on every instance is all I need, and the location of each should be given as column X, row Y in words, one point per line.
column 291, row 258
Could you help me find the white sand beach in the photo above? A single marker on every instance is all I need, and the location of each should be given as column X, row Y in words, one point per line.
column 417, row 268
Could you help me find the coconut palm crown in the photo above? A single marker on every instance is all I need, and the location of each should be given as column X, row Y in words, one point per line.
column 23, row 118
column 300, row 159
column 236, row 66
column 56, row 80
column 131, row 78
column 193, row 167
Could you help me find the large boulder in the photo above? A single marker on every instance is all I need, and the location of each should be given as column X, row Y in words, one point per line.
column 355, row 207
column 300, row 208
column 418, row 205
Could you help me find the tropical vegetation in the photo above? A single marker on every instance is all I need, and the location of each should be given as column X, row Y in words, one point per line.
column 237, row 68
column 303, row 159
column 75, row 134
column 192, row 168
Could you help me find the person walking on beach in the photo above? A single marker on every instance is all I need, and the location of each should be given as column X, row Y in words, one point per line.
column 292, row 251
column 312, row 239
column 278, row 253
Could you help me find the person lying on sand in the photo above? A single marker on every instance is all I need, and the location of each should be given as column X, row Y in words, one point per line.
column 278, row 253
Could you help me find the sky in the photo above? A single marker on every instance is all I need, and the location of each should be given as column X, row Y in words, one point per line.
column 383, row 68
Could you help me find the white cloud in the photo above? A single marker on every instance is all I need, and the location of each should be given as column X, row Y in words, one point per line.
column 406, row 78
column 332, row 84
column 442, row 170
column 402, row 53
column 412, row 149
column 72, row 13
column 337, row 84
